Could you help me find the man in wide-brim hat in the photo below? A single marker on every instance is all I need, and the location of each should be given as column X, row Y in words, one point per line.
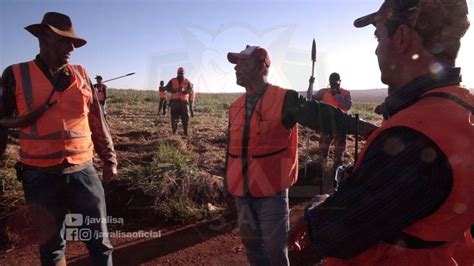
column 61, row 185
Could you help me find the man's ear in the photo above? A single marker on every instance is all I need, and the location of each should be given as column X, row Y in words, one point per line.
column 403, row 38
column 261, row 66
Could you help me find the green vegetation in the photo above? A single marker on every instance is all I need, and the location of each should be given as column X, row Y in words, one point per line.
column 365, row 111
column 179, row 188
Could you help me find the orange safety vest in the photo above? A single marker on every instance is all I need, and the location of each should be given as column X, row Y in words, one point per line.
column 184, row 97
column 163, row 93
column 329, row 98
column 62, row 132
column 272, row 150
column 450, row 126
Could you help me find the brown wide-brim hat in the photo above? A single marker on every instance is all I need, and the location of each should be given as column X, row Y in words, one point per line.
column 59, row 24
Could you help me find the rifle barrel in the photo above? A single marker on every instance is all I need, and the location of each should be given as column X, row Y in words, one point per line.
column 126, row 75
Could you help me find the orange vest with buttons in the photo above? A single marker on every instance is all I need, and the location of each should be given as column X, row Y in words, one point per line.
column 62, row 132
column 272, row 150
column 184, row 97
column 329, row 98
column 451, row 127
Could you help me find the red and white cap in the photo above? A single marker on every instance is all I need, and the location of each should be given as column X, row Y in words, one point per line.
column 250, row 51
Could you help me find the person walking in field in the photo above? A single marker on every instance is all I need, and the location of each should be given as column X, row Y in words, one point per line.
column 57, row 147
column 341, row 99
column 101, row 90
column 179, row 87
column 410, row 197
column 163, row 95
column 262, row 153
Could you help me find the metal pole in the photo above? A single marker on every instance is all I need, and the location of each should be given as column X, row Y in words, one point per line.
column 129, row 74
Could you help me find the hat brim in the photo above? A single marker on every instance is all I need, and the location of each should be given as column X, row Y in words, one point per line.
column 365, row 20
column 38, row 31
column 234, row 57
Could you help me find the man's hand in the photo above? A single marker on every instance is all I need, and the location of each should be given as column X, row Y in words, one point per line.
column 298, row 236
column 108, row 173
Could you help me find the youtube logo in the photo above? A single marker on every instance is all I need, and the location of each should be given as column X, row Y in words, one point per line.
column 74, row 219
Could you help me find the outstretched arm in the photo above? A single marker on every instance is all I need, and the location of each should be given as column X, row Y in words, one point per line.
column 320, row 116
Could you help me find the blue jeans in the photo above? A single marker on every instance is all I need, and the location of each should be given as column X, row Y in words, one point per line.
column 50, row 196
column 264, row 226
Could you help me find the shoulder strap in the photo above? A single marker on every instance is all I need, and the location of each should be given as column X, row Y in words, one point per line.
column 452, row 98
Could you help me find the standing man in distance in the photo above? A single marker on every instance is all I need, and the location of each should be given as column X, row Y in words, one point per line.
column 410, row 198
column 101, row 93
column 262, row 154
column 179, row 88
column 341, row 99
column 56, row 149
column 163, row 95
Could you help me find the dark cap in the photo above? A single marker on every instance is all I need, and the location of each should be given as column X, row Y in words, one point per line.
column 98, row 77
column 413, row 12
column 59, row 24
column 261, row 54
column 334, row 77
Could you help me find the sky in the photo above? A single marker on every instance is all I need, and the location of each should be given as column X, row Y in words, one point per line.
column 154, row 38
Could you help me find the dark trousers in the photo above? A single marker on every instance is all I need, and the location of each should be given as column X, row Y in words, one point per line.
column 162, row 106
column 179, row 109
column 191, row 108
column 53, row 196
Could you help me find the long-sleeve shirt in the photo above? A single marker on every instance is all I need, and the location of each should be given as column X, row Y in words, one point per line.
column 393, row 187
column 101, row 137
column 320, row 116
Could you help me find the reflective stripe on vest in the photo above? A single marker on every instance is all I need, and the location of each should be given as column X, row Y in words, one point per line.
column 271, row 153
column 450, row 125
column 62, row 132
column 179, row 95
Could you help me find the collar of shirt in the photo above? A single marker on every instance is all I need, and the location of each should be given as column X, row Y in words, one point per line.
column 410, row 93
column 61, row 80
